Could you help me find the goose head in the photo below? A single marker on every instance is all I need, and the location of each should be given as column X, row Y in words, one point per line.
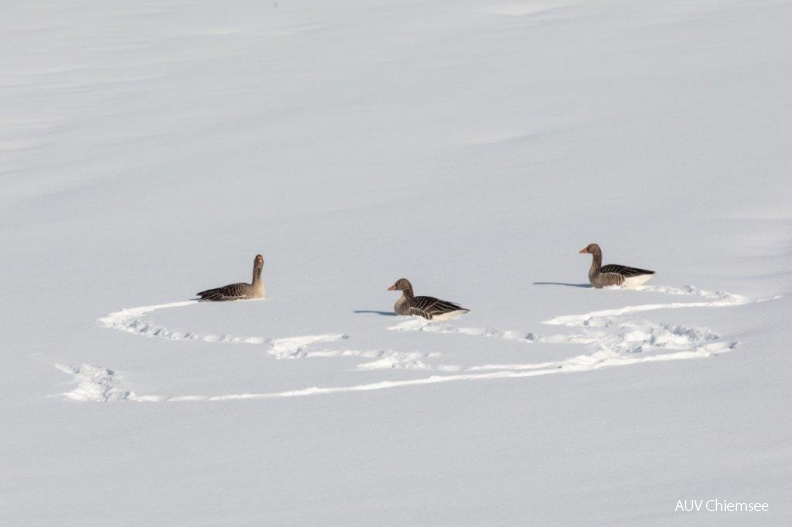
column 591, row 248
column 402, row 284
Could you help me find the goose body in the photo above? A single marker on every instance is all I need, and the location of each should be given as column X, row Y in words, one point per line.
column 240, row 291
column 427, row 307
column 613, row 275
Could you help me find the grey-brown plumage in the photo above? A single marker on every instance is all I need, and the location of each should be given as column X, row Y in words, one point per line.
column 241, row 291
column 424, row 306
column 613, row 275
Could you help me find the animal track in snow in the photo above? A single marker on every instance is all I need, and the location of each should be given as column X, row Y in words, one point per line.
column 295, row 347
column 388, row 359
column 620, row 338
column 94, row 384
column 131, row 320
column 617, row 339
column 514, row 371
column 712, row 299
column 420, row 324
column 98, row 384
column 383, row 359
column 615, row 336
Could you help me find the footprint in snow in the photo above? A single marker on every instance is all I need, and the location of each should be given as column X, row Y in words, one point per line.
column 132, row 320
column 420, row 324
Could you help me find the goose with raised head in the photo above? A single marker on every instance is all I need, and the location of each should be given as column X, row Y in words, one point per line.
column 240, row 291
column 613, row 274
column 427, row 307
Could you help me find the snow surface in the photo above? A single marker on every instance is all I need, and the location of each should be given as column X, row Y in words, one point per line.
column 149, row 149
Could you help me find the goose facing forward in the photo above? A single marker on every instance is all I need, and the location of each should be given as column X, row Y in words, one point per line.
column 424, row 306
column 613, row 275
column 241, row 291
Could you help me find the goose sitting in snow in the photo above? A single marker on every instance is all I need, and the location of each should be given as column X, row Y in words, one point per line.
column 241, row 291
column 613, row 275
column 424, row 306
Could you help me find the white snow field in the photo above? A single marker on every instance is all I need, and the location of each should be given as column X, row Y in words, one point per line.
column 149, row 150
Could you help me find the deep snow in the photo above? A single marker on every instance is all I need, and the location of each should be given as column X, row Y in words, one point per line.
column 149, row 150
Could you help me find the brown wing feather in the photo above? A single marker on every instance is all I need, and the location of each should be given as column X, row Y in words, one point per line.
column 225, row 293
column 624, row 270
column 428, row 307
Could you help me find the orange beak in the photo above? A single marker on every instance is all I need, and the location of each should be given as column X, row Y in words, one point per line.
column 583, row 251
column 392, row 288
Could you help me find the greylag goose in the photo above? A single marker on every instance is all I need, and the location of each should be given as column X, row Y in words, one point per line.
column 424, row 306
column 241, row 291
column 613, row 275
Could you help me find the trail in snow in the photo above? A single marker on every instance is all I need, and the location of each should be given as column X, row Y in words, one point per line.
column 387, row 359
column 131, row 320
column 617, row 339
column 575, row 364
column 94, row 384
column 616, row 331
column 421, row 324
column 295, row 347
column 712, row 299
